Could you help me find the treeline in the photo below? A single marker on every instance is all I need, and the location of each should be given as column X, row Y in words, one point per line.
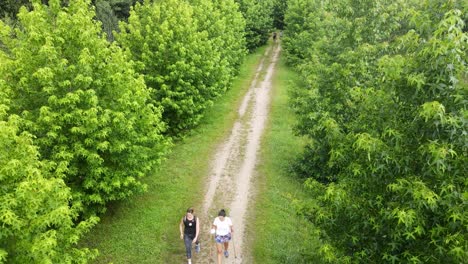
column 89, row 106
column 262, row 17
column 384, row 104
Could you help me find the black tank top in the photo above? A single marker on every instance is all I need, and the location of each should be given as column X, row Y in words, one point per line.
column 190, row 226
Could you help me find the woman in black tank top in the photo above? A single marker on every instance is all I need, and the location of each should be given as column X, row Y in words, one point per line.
column 189, row 229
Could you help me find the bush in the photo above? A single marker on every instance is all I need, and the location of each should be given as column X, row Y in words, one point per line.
column 259, row 21
column 382, row 106
column 38, row 225
column 177, row 60
column 87, row 109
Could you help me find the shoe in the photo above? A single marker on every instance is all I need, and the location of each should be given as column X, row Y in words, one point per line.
column 197, row 247
column 226, row 253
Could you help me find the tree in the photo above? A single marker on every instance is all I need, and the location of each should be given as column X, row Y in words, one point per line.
column 10, row 8
column 177, row 60
column 110, row 12
column 109, row 20
column 382, row 106
column 259, row 21
column 301, row 19
column 279, row 9
column 81, row 99
column 225, row 26
column 38, row 225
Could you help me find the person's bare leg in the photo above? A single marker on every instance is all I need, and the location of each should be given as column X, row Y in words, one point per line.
column 219, row 249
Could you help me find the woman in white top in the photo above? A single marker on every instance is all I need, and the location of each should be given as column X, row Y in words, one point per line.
column 222, row 228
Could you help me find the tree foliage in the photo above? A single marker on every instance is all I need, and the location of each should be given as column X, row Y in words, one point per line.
column 110, row 12
column 176, row 52
column 279, row 9
column 120, row 8
column 10, row 8
column 38, row 226
column 384, row 104
column 80, row 98
column 225, row 26
column 108, row 18
column 79, row 125
column 258, row 16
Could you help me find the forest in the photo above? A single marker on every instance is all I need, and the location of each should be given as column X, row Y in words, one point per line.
column 383, row 102
column 95, row 93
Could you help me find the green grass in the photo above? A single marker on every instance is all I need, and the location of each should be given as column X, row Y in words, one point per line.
column 144, row 229
column 279, row 235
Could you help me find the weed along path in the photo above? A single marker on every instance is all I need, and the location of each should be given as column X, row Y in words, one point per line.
column 233, row 167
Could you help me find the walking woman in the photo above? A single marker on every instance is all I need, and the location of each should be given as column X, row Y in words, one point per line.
column 189, row 229
column 222, row 228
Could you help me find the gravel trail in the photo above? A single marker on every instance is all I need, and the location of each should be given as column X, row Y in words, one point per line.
column 233, row 165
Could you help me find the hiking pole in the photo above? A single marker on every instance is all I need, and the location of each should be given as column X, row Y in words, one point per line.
column 211, row 250
column 213, row 245
column 234, row 244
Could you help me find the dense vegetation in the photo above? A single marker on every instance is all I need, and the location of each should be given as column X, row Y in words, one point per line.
column 280, row 235
column 110, row 12
column 84, row 119
column 34, row 206
column 180, row 56
column 258, row 16
column 92, row 93
column 144, row 229
column 384, row 106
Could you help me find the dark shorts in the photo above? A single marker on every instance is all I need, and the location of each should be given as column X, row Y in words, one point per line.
column 223, row 239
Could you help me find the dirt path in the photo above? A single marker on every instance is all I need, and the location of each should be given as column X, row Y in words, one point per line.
column 233, row 166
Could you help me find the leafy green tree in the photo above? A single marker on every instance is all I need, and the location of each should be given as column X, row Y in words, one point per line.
column 301, row 31
column 109, row 20
column 279, row 10
column 81, row 99
column 382, row 104
column 177, row 60
column 10, row 8
column 232, row 42
column 38, row 225
column 225, row 26
column 259, row 21
column 110, row 12
column 121, row 8
column 464, row 9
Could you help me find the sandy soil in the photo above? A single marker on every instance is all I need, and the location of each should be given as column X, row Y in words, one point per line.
column 233, row 167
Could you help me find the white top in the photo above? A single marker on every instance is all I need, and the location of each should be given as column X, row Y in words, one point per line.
column 223, row 227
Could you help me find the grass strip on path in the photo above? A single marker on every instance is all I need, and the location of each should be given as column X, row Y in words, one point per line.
column 144, row 229
column 279, row 235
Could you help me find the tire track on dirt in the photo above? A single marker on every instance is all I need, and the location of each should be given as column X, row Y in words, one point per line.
column 233, row 166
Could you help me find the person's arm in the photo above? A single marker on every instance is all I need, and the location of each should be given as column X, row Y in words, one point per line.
column 181, row 228
column 213, row 227
column 231, row 226
column 197, row 231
